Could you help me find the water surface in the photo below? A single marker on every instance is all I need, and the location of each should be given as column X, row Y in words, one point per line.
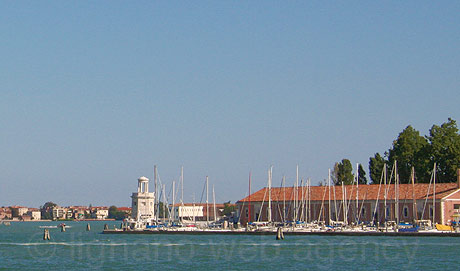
column 22, row 247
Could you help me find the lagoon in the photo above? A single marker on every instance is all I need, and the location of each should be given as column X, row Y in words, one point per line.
column 22, row 247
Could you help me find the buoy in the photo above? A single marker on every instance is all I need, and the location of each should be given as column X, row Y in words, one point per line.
column 106, row 227
column 88, row 227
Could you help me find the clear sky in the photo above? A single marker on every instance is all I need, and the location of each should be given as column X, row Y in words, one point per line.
column 93, row 94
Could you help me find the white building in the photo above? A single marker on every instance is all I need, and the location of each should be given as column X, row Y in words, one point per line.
column 36, row 215
column 143, row 207
column 188, row 211
column 59, row 213
column 101, row 213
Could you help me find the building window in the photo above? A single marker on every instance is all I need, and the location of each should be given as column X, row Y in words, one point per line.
column 388, row 211
column 247, row 213
column 405, row 212
column 456, row 206
column 431, row 211
column 363, row 212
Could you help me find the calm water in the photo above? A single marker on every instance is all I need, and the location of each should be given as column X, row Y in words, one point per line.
column 22, row 247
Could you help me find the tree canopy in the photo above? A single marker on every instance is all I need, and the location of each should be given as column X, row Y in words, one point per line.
column 376, row 164
column 344, row 172
column 410, row 149
column 445, row 150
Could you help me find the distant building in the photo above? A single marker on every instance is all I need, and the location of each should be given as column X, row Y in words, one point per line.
column 5, row 213
column 100, row 212
column 19, row 211
column 59, row 212
column 197, row 211
column 126, row 210
column 34, row 214
column 79, row 212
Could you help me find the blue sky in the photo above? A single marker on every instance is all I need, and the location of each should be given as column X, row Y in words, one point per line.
column 93, row 94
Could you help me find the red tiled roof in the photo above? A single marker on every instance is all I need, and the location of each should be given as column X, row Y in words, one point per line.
column 368, row 192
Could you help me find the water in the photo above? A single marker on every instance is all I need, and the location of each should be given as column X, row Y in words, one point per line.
column 22, row 247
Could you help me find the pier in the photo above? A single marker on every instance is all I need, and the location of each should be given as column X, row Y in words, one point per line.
column 287, row 233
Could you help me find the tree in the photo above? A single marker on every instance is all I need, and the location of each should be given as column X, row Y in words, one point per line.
column 376, row 164
column 445, row 150
column 47, row 210
column 228, row 208
column 361, row 175
column 116, row 214
column 113, row 211
column 409, row 150
column 344, row 174
column 334, row 173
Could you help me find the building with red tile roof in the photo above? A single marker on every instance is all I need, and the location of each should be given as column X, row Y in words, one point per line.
column 312, row 203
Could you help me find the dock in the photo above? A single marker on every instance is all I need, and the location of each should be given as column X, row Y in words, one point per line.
column 291, row 233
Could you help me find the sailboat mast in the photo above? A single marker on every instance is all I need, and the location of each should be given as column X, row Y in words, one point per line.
column 173, row 201
column 396, row 194
column 295, row 192
column 414, row 204
column 207, row 206
column 385, row 190
column 284, row 199
column 270, row 194
column 434, row 193
column 357, row 193
column 344, row 201
column 214, row 202
column 329, row 196
column 309, row 199
column 164, row 202
column 182, row 185
column 249, row 199
column 156, row 199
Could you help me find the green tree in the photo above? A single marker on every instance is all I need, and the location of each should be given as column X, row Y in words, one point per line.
column 228, row 208
column 344, row 174
column 361, row 175
column 114, row 213
column 376, row 164
column 47, row 210
column 409, row 150
column 445, row 150
column 334, row 173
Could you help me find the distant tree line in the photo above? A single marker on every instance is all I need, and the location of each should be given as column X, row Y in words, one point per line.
column 410, row 149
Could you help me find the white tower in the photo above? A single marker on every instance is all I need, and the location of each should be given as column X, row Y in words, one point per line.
column 143, row 207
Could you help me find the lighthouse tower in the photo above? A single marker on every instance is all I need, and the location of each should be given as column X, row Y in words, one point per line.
column 143, row 207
